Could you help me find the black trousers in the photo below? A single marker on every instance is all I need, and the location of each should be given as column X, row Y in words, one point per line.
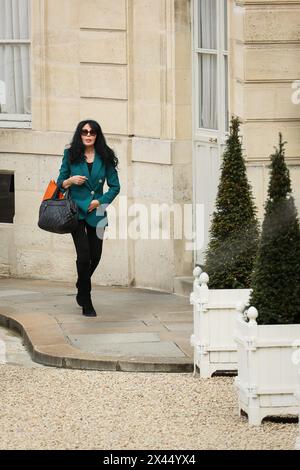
column 89, row 250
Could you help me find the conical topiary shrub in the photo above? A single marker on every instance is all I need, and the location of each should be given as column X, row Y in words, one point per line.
column 234, row 231
column 276, row 276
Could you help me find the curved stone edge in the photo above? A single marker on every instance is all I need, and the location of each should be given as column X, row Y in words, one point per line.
column 62, row 354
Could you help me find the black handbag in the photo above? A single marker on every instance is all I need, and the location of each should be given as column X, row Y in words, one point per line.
column 58, row 215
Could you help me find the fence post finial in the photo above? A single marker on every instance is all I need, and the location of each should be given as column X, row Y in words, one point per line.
column 204, row 279
column 252, row 314
column 240, row 307
column 196, row 273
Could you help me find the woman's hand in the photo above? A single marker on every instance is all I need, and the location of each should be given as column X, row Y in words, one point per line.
column 93, row 205
column 78, row 179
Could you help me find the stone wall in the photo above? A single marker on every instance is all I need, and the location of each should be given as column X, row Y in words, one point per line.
column 128, row 65
column 125, row 64
column 265, row 51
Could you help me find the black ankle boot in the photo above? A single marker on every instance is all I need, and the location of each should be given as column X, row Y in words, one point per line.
column 83, row 283
column 88, row 309
column 79, row 300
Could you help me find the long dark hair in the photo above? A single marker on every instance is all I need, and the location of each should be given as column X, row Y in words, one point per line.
column 76, row 149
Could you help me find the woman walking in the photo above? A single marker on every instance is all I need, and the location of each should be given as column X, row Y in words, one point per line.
column 86, row 164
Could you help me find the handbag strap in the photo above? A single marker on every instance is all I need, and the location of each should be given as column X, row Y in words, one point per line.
column 66, row 194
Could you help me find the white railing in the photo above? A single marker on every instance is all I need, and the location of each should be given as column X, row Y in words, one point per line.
column 296, row 362
column 267, row 379
column 214, row 325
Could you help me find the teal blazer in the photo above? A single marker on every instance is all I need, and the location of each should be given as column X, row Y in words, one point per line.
column 91, row 189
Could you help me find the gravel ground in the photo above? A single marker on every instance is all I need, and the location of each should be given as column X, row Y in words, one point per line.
column 48, row 408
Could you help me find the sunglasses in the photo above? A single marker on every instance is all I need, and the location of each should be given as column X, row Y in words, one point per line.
column 85, row 132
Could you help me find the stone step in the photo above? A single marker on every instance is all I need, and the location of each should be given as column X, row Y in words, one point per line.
column 183, row 285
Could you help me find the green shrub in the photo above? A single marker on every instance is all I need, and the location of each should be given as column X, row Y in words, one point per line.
column 276, row 276
column 234, row 231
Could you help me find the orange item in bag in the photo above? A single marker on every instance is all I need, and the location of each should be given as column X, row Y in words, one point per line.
column 51, row 188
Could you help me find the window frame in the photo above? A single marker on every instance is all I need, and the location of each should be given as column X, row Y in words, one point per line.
column 18, row 121
column 10, row 173
column 222, row 54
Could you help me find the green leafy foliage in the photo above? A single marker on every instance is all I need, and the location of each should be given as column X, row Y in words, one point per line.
column 276, row 276
column 234, row 230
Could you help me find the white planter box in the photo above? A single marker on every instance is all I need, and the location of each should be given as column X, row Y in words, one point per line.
column 296, row 362
column 214, row 325
column 297, row 396
column 267, row 378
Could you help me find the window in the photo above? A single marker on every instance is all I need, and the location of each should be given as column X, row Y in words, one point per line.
column 7, row 198
column 211, row 38
column 15, row 105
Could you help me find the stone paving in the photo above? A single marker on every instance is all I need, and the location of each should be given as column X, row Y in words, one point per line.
column 13, row 352
column 54, row 408
column 135, row 330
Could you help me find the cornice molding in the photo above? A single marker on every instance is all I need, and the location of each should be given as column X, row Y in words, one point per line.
column 283, row 42
column 265, row 161
column 262, row 120
column 269, row 81
column 287, row 3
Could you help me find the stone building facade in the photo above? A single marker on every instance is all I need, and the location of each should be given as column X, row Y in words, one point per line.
column 132, row 66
